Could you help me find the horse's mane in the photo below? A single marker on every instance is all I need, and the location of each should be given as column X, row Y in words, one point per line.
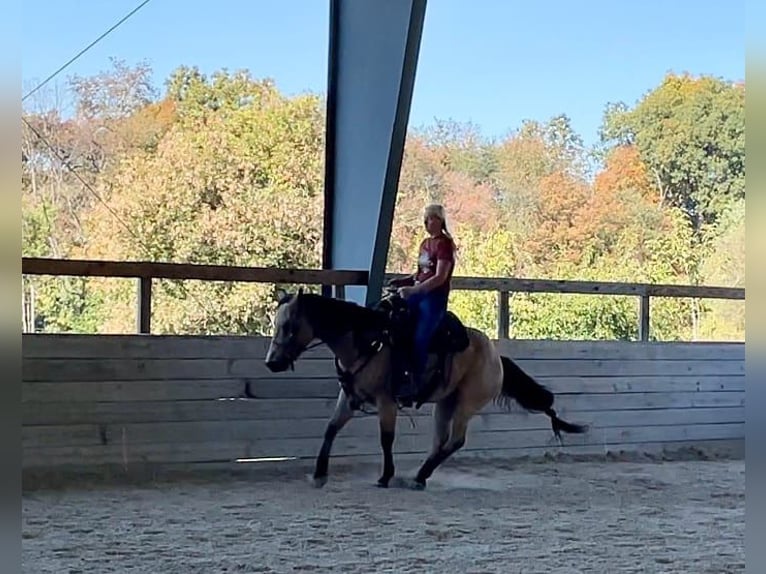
column 333, row 317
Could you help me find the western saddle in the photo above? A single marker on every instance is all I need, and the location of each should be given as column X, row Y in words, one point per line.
column 451, row 337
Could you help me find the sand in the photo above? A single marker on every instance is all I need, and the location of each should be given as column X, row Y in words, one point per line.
column 521, row 517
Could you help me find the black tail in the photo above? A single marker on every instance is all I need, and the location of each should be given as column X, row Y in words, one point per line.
column 520, row 387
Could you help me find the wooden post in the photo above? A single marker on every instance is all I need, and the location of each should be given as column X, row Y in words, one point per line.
column 503, row 314
column 144, row 320
column 340, row 291
column 643, row 320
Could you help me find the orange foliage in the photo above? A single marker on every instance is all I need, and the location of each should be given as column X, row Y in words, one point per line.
column 625, row 171
column 470, row 203
column 620, row 192
column 557, row 236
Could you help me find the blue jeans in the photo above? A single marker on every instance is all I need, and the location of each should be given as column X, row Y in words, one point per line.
column 428, row 310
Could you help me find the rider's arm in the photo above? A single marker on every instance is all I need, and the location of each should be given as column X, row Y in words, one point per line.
column 402, row 281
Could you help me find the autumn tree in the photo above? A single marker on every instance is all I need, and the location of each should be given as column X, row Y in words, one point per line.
column 690, row 132
column 225, row 169
column 236, row 180
column 529, row 155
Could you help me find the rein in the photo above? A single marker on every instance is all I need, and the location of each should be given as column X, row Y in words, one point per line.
column 312, row 346
column 346, row 377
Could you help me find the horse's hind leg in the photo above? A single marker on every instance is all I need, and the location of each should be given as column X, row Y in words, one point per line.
column 443, row 416
column 340, row 417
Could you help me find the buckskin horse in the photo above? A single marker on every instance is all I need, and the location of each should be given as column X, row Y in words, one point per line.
column 361, row 339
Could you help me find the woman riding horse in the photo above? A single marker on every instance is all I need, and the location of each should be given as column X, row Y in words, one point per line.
column 427, row 293
column 478, row 373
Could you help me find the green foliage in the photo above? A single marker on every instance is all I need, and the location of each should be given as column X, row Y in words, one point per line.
column 236, row 181
column 36, row 227
column 67, row 304
column 225, row 169
column 691, row 134
column 480, row 254
column 61, row 304
column 725, row 265
column 550, row 316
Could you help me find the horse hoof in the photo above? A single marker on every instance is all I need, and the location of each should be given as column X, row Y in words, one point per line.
column 382, row 483
column 318, row 481
column 415, row 485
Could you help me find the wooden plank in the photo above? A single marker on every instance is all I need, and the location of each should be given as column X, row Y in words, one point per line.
column 299, row 409
column 503, row 315
column 643, row 318
column 599, row 368
column 163, row 390
column 144, row 305
column 308, row 388
column 621, row 350
column 312, row 429
column 94, row 268
column 128, row 391
column 218, row 451
column 122, row 369
column 76, row 346
column 594, row 287
column 695, row 291
column 51, row 370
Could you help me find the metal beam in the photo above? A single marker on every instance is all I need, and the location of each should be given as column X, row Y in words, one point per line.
column 374, row 48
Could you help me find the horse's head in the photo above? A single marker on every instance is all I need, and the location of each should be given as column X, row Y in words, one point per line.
column 292, row 333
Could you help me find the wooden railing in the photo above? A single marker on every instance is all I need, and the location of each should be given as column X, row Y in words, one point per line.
column 145, row 272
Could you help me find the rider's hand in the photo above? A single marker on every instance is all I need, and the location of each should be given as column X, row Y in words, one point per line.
column 405, row 292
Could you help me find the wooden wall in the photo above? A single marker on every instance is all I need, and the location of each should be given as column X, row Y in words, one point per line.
column 126, row 400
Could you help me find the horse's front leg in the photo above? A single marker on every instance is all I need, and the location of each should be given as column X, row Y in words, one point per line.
column 387, row 420
column 340, row 417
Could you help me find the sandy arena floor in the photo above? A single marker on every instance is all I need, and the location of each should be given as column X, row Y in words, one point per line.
column 510, row 518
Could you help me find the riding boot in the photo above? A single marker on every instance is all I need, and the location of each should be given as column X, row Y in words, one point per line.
column 408, row 389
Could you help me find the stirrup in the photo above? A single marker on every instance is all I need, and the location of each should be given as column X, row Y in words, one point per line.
column 404, row 403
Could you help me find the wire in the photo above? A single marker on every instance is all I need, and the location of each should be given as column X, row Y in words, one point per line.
column 87, row 186
column 86, row 48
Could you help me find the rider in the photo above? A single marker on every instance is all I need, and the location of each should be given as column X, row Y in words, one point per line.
column 427, row 291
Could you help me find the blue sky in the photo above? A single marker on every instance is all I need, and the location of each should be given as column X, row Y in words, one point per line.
column 491, row 62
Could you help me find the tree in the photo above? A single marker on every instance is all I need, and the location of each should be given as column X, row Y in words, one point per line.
column 225, row 169
column 530, row 155
column 725, row 265
column 690, row 132
column 556, row 236
column 228, row 184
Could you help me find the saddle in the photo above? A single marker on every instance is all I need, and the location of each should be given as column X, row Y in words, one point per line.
column 451, row 337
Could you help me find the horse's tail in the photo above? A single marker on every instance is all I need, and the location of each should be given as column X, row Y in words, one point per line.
column 520, row 387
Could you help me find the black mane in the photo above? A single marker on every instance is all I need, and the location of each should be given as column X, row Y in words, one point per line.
column 332, row 318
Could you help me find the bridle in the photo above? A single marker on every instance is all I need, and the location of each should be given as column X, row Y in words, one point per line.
column 292, row 351
column 346, row 377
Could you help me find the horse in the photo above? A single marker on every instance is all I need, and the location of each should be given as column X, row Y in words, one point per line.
column 361, row 342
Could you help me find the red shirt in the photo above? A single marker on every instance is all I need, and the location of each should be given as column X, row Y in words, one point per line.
column 433, row 249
